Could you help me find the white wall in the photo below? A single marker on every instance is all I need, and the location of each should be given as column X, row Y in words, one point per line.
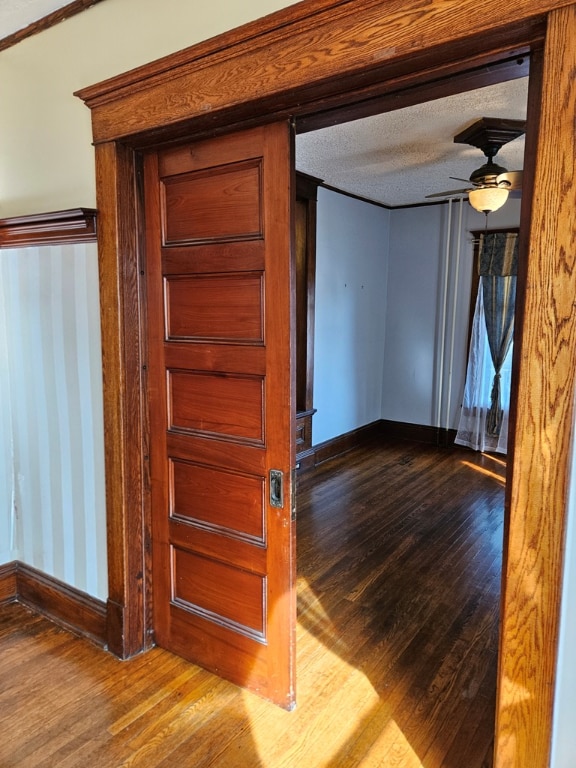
column 351, row 265
column 392, row 311
column 429, row 278
column 52, row 438
column 417, row 248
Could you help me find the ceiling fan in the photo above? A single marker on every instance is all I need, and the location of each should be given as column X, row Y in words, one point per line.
column 491, row 183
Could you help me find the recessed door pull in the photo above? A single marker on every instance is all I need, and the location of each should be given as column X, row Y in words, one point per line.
column 276, row 488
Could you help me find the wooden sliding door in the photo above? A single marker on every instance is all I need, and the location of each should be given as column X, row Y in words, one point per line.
column 219, row 301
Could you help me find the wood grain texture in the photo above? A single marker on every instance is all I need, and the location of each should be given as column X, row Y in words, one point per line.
column 8, row 582
column 398, row 585
column 76, row 225
column 226, row 205
column 125, row 440
column 473, row 35
column 218, row 405
column 218, row 500
column 545, row 419
column 60, row 14
column 66, row 606
column 199, row 307
column 360, row 44
column 221, row 586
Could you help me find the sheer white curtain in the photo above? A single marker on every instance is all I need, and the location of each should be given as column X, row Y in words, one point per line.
column 479, row 379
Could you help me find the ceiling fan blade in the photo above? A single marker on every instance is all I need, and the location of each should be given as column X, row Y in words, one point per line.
column 450, row 193
column 457, row 178
column 512, row 178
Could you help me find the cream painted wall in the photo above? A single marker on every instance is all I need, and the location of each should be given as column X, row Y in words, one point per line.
column 52, row 513
column 46, row 157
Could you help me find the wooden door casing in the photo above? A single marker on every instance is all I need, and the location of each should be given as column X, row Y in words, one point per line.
column 301, row 61
column 221, row 402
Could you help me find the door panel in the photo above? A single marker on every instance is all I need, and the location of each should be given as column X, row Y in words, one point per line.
column 221, row 402
column 200, row 307
column 211, row 498
column 223, row 202
column 216, row 404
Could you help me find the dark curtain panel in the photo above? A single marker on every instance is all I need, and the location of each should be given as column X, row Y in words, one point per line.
column 498, row 267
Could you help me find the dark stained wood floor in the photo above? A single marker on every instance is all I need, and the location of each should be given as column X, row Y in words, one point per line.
column 399, row 579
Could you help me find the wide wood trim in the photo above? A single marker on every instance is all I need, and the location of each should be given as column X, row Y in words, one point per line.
column 76, row 225
column 65, row 605
column 484, row 72
column 292, row 57
column 8, row 582
column 322, row 54
column 61, row 14
column 543, row 424
column 124, row 364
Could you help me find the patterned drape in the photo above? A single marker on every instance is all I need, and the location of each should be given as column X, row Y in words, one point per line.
column 498, row 267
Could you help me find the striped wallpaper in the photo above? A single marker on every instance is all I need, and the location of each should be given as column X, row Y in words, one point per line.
column 52, row 502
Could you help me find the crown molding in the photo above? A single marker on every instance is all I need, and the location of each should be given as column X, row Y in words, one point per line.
column 61, row 14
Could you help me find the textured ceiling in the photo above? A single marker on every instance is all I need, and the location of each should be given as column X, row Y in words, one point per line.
column 398, row 158
column 17, row 14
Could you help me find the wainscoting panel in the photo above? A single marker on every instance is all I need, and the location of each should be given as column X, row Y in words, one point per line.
column 51, row 446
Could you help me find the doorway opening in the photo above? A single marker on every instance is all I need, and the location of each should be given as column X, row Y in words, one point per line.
column 427, row 355
column 128, row 117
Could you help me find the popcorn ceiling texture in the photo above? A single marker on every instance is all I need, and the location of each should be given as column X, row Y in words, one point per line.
column 400, row 157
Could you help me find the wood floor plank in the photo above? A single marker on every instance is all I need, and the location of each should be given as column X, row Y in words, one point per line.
column 399, row 557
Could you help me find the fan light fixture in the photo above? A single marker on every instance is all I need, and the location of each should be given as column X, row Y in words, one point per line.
column 487, row 199
column 491, row 183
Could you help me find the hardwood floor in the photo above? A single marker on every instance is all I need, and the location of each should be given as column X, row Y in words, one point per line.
column 399, row 579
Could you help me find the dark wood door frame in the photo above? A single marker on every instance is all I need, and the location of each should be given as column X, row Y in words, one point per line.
column 323, row 55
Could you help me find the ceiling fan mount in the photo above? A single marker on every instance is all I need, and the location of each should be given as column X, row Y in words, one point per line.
column 490, row 134
column 491, row 183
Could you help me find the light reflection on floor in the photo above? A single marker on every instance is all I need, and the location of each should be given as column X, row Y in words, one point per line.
column 498, row 473
column 356, row 727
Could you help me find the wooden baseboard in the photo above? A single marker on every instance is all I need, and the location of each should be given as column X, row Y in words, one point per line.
column 64, row 605
column 377, row 430
column 306, row 459
column 418, row 433
column 8, row 583
column 344, row 443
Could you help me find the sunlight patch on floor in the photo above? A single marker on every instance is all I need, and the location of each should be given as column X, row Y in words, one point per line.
column 391, row 748
column 501, row 478
column 337, row 706
column 287, row 739
column 312, row 614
